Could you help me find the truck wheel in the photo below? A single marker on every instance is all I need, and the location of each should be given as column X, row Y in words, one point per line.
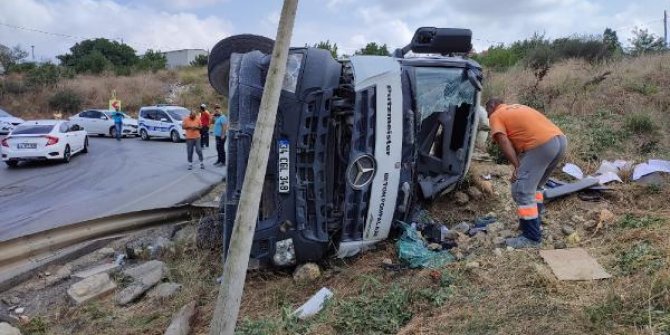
column 218, row 64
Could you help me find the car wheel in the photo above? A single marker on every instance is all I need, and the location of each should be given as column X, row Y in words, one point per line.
column 218, row 63
column 12, row 164
column 85, row 150
column 174, row 136
column 67, row 154
column 143, row 135
column 112, row 132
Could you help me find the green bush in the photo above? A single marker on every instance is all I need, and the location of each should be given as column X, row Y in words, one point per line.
column 639, row 124
column 45, row 75
column 67, row 101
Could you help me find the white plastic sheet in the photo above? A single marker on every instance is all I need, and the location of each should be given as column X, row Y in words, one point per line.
column 314, row 305
column 653, row 165
column 573, row 170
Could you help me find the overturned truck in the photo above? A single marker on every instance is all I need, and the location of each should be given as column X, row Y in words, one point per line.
column 358, row 141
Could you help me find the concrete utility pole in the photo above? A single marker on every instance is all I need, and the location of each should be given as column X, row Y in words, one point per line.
column 665, row 29
column 235, row 267
column 32, row 48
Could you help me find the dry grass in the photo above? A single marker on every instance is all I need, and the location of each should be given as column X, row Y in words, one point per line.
column 135, row 91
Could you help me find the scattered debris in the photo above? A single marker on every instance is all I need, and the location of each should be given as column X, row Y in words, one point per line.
column 654, row 178
column 653, row 165
column 91, row 287
column 573, row 264
column 19, row 310
column 462, row 227
column 567, row 230
column 412, row 250
column 314, row 305
column 7, row 329
column 307, row 272
column 606, row 173
column 107, row 267
column 181, row 322
column 165, row 290
column 565, row 189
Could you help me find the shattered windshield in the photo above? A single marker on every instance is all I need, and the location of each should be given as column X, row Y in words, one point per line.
column 439, row 87
column 293, row 65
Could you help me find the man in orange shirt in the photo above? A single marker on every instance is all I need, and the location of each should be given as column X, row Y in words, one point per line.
column 192, row 126
column 534, row 146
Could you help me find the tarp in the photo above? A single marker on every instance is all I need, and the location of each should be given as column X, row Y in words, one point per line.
column 413, row 251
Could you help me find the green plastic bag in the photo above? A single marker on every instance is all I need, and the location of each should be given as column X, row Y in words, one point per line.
column 413, row 251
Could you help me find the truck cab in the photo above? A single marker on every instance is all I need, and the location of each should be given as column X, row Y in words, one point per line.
column 359, row 141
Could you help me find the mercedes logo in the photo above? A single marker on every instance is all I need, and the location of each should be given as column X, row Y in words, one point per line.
column 361, row 171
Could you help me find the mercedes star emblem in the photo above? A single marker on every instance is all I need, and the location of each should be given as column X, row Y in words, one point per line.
column 361, row 171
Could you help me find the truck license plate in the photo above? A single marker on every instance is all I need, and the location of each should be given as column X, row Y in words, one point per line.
column 284, row 185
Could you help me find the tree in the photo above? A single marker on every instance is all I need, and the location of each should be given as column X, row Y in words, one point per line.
column 152, row 60
column 96, row 52
column 644, row 42
column 9, row 57
column 611, row 42
column 200, row 60
column 373, row 48
column 327, row 46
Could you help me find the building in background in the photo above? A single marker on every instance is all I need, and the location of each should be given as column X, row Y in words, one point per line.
column 183, row 57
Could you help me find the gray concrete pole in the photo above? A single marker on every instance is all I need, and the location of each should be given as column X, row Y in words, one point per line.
column 235, row 267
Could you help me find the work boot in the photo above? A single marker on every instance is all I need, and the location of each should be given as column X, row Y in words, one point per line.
column 522, row 242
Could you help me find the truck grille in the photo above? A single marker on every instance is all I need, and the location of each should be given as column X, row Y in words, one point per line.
column 356, row 202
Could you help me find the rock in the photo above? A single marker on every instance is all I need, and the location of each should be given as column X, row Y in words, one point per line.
column 491, row 215
column 105, row 252
column 495, row 227
column 461, row 198
column 185, row 235
column 498, row 252
column 146, row 276
column 605, row 216
column 19, row 310
column 472, row 265
column 462, row 227
column 560, row 245
column 24, row 319
column 165, row 290
column 64, row 272
column 590, row 224
column 486, row 186
column 47, row 274
column 14, row 300
column 7, row 329
column 107, row 267
column 181, row 322
column 149, row 273
column 434, row 246
column 387, row 261
column 475, row 193
column 91, row 287
column 567, row 230
column 573, row 238
column 499, row 241
column 451, row 235
column 160, row 247
column 306, row 272
column 509, row 248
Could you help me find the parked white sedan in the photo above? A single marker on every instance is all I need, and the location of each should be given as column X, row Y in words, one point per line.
column 43, row 140
column 8, row 122
column 100, row 122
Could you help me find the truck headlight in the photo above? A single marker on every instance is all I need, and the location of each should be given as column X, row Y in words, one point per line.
column 284, row 253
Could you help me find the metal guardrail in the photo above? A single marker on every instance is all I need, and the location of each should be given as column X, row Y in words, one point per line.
column 24, row 247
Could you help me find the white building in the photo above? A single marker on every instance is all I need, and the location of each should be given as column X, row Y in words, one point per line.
column 183, row 57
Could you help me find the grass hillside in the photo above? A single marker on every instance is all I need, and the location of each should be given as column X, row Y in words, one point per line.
column 188, row 87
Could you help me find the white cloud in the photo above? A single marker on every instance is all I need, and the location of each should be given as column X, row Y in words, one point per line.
column 140, row 27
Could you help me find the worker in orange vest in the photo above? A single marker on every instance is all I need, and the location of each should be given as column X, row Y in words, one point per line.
column 534, row 146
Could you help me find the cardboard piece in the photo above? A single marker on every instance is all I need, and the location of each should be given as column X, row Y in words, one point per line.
column 573, row 264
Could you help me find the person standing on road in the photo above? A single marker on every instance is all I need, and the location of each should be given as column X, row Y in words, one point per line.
column 118, row 123
column 205, row 120
column 220, row 130
column 192, row 127
column 534, row 146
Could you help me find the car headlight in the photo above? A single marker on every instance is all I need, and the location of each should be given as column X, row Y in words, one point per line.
column 284, row 253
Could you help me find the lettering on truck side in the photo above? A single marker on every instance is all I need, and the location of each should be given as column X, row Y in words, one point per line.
column 388, row 121
column 382, row 203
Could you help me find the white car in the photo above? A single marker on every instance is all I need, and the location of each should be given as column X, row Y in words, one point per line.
column 43, row 140
column 8, row 122
column 162, row 121
column 100, row 122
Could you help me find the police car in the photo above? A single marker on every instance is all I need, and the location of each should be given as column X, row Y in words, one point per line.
column 162, row 121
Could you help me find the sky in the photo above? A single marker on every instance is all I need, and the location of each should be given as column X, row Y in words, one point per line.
column 53, row 26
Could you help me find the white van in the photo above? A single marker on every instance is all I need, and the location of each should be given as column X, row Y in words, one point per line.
column 163, row 121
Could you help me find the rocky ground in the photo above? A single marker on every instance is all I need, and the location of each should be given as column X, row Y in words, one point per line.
column 159, row 281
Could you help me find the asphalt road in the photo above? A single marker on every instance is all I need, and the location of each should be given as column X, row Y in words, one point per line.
column 113, row 178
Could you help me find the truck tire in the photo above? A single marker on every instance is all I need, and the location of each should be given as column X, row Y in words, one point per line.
column 218, row 64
